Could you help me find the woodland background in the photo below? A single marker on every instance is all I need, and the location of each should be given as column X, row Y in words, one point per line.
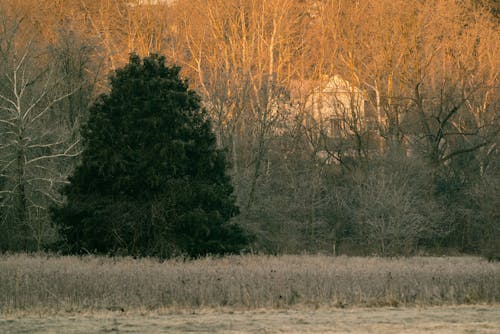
column 421, row 175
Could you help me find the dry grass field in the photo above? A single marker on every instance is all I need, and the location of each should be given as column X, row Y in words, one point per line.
column 385, row 320
column 51, row 284
column 249, row 294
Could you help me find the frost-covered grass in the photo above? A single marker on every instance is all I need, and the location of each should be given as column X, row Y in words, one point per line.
column 70, row 283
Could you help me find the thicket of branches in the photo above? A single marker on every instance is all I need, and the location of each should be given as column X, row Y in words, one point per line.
column 415, row 167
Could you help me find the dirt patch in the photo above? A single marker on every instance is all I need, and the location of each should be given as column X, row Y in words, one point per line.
column 440, row 320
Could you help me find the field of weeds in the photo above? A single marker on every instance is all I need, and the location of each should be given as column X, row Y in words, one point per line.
column 51, row 284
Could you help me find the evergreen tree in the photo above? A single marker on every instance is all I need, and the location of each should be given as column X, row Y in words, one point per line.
column 151, row 181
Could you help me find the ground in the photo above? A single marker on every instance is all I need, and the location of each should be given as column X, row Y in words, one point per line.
column 478, row 319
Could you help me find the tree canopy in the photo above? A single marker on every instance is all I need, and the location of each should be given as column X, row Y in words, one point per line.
column 151, row 181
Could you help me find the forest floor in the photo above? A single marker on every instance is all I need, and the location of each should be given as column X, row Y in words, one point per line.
column 468, row 319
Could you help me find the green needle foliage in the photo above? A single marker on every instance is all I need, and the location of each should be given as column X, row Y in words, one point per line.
column 151, row 181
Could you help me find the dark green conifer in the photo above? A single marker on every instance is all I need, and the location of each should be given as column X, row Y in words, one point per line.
column 151, row 181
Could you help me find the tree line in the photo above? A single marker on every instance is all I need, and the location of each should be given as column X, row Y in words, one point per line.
column 414, row 168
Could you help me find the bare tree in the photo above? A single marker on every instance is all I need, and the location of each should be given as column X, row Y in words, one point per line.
column 454, row 82
column 391, row 216
column 34, row 147
column 243, row 78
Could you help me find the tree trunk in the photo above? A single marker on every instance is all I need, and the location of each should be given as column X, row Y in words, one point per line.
column 22, row 222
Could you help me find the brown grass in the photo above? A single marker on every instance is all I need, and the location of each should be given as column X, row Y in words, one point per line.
column 387, row 320
column 50, row 283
